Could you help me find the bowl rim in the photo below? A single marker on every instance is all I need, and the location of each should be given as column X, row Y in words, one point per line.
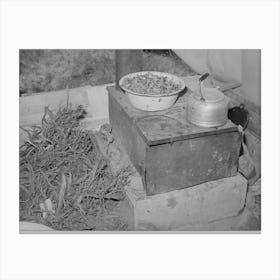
column 176, row 78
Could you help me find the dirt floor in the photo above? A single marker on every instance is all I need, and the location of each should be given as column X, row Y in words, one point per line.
column 48, row 70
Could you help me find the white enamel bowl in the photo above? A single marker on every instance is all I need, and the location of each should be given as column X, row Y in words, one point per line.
column 151, row 102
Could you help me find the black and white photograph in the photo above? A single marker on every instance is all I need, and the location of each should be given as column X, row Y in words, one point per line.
column 140, row 140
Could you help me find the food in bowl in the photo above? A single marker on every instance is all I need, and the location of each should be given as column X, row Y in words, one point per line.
column 151, row 90
column 150, row 83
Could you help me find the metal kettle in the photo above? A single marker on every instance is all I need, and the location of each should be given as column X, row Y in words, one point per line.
column 207, row 107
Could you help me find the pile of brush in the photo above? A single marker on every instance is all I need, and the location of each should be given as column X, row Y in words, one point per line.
column 65, row 181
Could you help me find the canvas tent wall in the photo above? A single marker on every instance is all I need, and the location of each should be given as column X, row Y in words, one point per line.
column 241, row 66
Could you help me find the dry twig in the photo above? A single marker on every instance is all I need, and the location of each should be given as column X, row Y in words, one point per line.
column 61, row 161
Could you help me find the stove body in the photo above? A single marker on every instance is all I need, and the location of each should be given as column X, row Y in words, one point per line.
column 169, row 152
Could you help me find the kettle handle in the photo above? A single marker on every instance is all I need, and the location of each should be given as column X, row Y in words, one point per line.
column 203, row 77
column 200, row 80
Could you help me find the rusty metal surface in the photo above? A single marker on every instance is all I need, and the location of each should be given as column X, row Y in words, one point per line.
column 191, row 162
column 180, row 129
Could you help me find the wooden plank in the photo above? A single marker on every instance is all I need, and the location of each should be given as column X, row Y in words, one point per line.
column 31, row 108
column 93, row 99
column 192, row 83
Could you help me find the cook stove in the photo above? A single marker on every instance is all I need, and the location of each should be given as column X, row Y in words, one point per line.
column 169, row 152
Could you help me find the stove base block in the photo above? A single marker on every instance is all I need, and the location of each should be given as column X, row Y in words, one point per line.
column 188, row 207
